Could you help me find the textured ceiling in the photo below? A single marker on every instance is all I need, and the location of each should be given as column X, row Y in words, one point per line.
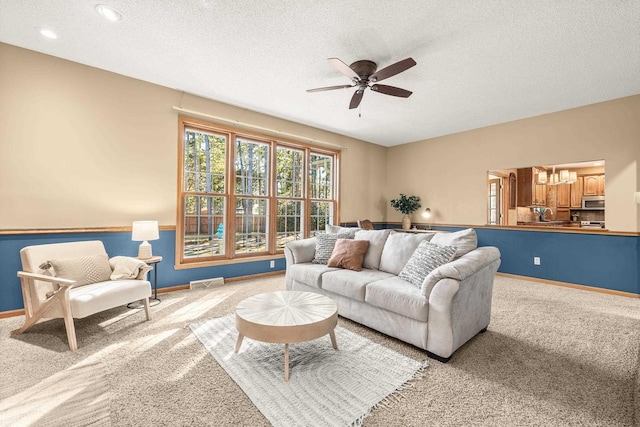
column 479, row 62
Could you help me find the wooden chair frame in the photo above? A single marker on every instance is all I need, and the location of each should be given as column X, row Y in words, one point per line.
column 59, row 296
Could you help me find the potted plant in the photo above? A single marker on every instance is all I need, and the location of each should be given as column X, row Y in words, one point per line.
column 406, row 205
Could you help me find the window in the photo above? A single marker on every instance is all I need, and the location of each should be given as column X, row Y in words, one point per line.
column 320, row 183
column 289, row 193
column 252, row 202
column 245, row 195
column 203, row 195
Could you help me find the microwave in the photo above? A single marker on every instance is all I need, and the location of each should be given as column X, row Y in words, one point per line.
column 593, row 203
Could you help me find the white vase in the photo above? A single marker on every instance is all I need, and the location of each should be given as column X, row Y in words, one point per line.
column 406, row 222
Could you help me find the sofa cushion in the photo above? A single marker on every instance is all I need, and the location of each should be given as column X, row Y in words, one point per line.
column 464, row 240
column 398, row 296
column 377, row 239
column 325, row 242
column 308, row 273
column 351, row 284
column 348, row 254
column 84, row 270
column 426, row 258
column 398, row 249
column 335, row 229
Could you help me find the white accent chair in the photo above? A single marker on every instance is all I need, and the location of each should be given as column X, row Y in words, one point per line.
column 46, row 296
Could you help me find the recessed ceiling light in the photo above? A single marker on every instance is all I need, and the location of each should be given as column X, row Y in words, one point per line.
column 109, row 13
column 45, row 32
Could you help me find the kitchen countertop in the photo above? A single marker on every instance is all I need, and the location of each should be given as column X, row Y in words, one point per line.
column 561, row 226
column 549, row 224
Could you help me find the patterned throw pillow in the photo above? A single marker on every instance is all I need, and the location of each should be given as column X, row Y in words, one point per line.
column 325, row 244
column 84, row 270
column 427, row 257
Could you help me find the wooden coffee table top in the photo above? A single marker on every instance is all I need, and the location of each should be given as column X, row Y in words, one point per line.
column 286, row 308
column 286, row 317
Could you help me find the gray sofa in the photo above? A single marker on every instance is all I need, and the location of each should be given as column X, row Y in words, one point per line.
column 452, row 305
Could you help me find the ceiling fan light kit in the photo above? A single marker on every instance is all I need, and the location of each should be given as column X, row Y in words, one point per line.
column 364, row 74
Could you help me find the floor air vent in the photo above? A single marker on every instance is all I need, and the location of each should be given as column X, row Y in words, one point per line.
column 206, row 283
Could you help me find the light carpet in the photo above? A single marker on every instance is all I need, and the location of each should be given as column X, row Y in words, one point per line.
column 326, row 387
column 552, row 356
column 76, row 396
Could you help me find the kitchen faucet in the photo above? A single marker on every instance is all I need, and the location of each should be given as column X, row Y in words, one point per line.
column 541, row 211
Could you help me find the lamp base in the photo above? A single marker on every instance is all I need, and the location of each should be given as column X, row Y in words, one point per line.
column 144, row 250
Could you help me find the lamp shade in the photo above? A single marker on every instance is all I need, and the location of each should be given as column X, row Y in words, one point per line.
column 426, row 213
column 542, row 177
column 145, row 230
column 573, row 176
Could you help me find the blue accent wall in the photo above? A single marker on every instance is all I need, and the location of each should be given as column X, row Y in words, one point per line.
column 598, row 260
column 116, row 243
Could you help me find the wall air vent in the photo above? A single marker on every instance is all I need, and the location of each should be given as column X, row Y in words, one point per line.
column 206, row 283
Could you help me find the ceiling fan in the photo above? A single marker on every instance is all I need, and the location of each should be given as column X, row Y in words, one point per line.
column 363, row 75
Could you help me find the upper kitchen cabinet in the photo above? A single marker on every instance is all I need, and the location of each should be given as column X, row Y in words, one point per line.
column 576, row 193
column 564, row 196
column 593, row 185
column 529, row 192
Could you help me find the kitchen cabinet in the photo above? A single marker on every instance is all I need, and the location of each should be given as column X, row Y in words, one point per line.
column 540, row 195
column 530, row 193
column 576, row 193
column 564, row 195
column 563, row 214
column 593, row 185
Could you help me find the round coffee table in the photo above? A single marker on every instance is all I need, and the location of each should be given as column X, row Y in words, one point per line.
column 286, row 317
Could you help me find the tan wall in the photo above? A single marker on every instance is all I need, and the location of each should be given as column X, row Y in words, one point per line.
column 82, row 147
column 449, row 172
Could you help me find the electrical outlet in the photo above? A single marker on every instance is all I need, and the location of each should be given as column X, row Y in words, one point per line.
column 272, row 264
column 536, row 260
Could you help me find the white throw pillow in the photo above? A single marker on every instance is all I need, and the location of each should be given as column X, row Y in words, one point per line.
column 84, row 270
column 426, row 258
column 398, row 249
column 377, row 239
column 464, row 240
column 335, row 229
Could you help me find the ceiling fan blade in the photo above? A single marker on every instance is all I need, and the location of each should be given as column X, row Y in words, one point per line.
column 356, row 98
column 320, row 89
column 392, row 90
column 343, row 68
column 392, row 70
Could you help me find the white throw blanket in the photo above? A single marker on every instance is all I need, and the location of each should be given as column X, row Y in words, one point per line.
column 125, row 267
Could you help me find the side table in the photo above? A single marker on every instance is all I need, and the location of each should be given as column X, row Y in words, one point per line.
column 151, row 262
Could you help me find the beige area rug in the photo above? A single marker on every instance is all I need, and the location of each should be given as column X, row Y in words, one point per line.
column 326, row 387
column 551, row 356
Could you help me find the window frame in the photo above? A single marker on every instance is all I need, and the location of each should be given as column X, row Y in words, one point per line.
column 231, row 133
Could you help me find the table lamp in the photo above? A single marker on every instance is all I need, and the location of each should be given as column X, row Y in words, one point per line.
column 143, row 231
column 427, row 214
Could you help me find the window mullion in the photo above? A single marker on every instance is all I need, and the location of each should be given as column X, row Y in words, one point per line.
column 230, row 209
column 306, row 193
column 272, row 197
